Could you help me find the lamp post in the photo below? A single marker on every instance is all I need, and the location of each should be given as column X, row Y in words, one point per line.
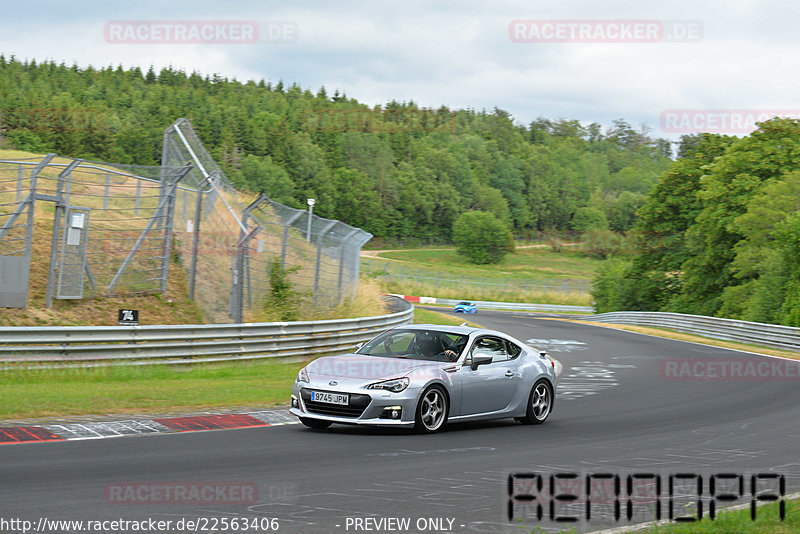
column 311, row 202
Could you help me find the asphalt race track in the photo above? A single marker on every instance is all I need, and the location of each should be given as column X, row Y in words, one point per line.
column 618, row 411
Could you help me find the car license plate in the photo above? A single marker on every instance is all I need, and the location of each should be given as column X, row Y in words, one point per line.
column 330, row 398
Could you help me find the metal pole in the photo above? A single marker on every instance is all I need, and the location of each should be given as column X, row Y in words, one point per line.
column 237, row 294
column 169, row 216
column 32, row 203
column 20, row 176
column 242, row 250
column 247, row 278
column 105, row 196
column 311, row 202
column 138, row 194
column 198, row 208
column 319, row 256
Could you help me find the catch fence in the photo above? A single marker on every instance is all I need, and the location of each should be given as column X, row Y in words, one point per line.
column 232, row 239
column 107, row 229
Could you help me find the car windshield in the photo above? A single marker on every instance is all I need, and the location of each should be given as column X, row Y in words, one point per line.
column 431, row 345
column 463, row 303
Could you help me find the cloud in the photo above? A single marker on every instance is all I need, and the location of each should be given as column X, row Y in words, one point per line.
column 456, row 54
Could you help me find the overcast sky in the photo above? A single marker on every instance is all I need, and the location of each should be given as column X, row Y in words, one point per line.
column 739, row 55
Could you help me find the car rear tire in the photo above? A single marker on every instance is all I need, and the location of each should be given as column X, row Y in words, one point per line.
column 540, row 403
column 431, row 411
column 315, row 423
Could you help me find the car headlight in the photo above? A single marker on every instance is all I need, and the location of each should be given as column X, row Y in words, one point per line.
column 302, row 376
column 395, row 385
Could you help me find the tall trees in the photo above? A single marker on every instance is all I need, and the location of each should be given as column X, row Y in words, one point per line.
column 399, row 170
column 719, row 235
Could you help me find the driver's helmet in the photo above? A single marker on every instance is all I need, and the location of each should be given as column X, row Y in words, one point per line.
column 427, row 343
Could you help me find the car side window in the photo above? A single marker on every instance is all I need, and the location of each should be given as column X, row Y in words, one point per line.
column 513, row 350
column 490, row 346
column 398, row 343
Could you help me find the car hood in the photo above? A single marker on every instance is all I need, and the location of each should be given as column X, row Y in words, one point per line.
column 358, row 366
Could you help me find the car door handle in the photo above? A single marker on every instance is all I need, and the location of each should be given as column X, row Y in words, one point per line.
column 509, row 373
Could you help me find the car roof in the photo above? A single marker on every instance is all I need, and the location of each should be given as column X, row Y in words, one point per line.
column 466, row 330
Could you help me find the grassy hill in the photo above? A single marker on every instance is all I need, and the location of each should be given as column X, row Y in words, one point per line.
column 533, row 273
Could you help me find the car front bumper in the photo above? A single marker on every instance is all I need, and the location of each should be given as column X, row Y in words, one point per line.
column 376, row 412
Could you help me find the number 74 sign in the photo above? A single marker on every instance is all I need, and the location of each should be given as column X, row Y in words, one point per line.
column 128, row 318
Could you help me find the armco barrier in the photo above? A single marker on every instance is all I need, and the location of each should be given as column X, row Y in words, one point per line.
column 92, row 346
column 769, row 335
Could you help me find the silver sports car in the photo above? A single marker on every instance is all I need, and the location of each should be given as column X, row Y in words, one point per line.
column 423, row 376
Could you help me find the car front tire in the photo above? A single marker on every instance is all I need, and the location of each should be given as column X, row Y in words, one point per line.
column 315, row 423
column 540, row 403
column 431, row 410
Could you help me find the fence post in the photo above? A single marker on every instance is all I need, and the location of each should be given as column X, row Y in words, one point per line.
column 138, row 196
column 317, row 266
column 242, row 250
column 198, row 212
column 169, row 220
column 32, row 202
column 20, row 176
column 105, row 195
column 185, row 201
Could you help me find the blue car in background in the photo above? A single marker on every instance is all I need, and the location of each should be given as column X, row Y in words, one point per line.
column 465, row 307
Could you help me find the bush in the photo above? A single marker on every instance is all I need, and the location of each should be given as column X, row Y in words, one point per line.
column 609, row 285
column 284, row 300
column 482, row 238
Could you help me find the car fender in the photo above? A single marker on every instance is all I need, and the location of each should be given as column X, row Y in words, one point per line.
column 446, row 383
column 532, row 371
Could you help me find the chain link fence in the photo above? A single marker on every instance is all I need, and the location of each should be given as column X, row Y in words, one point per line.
column 111, row 230
column 231, row 239
column 105, row 227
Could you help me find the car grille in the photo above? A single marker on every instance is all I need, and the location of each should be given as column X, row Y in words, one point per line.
column 358, row 403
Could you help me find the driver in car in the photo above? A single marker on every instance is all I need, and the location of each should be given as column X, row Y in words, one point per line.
column 432, row 345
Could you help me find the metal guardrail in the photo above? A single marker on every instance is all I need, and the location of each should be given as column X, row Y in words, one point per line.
column 94, row 346
column 769, row 335
column 519, row 306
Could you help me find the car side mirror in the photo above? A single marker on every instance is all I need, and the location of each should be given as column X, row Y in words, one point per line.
column 480, row 359
column 358, row 346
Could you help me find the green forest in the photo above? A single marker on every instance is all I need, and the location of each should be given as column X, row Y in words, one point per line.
column 401, row 172
column 720, row 233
